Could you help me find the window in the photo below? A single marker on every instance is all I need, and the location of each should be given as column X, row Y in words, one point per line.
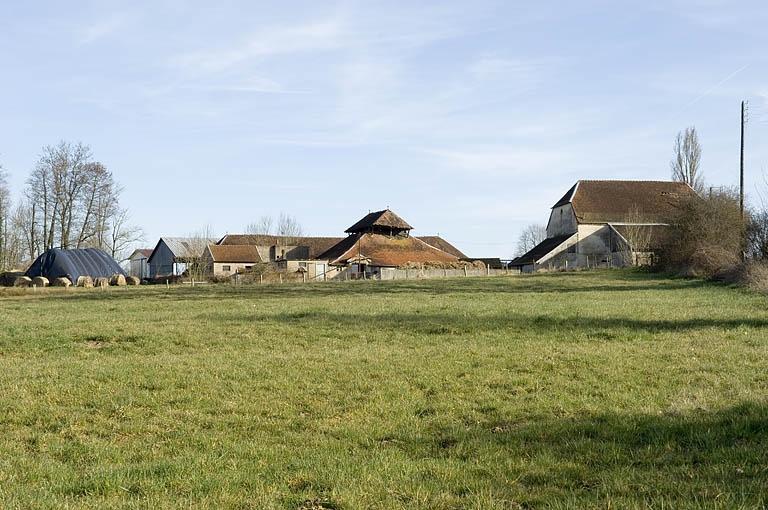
column 226, row 268
column 303, row 264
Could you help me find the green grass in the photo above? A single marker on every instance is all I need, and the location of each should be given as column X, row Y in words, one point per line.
column 597, row 389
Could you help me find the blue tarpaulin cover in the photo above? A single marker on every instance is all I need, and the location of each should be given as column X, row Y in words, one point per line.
column 72, row 264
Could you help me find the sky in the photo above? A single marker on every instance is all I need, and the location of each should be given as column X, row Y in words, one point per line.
column 467, row 119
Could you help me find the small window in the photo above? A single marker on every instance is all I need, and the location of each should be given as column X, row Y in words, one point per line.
column 303, row 264
column 226, row 268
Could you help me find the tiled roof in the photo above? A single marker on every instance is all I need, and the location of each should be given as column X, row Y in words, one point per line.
column 622, row 201
column 385, row 251
column 234, row 253
column 378, row 220
column 316, row 245
column 441, row 244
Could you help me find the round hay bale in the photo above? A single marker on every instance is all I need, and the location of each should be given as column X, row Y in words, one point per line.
column 101, row 281
column 84, row 281
column 61, row 282
column 132, row 280
column 117, row 280
column 40, row 281
column 22, row 281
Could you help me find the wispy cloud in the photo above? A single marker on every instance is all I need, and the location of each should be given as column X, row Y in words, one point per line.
column 99, row 30
column 267, row 42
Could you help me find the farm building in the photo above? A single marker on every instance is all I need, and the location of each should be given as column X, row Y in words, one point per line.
column 379, row 241
column 276, row 248
column 230, row 259
column 138, row 263
column 172, row 255
column 605, row 223
column 74, row 263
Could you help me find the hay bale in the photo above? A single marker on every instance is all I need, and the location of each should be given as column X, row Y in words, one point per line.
column 61, row 282
column 132, row 280
column 101, row 281
column 22, row 281
column 85, row 281
column 40, row 281
column 117, row 280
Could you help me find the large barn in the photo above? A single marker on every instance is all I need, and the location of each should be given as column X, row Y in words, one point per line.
column 605, row 223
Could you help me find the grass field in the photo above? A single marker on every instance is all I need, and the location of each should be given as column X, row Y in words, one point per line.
column 595, row 389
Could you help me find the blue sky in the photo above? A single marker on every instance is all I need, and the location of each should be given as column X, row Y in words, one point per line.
column 468, row 119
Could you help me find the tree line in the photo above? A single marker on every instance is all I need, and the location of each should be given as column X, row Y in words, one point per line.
column 69, row 200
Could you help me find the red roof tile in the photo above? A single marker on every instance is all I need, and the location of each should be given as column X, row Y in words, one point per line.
column 385, row 251
column 618, row 201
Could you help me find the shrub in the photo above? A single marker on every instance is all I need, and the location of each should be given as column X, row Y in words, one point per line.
column 706, row 235
column 752, row 274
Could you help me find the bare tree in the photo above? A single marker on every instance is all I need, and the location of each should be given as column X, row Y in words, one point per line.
column 638, row 236
column 97, row 205
column 122, row 235
column 197, row 242
column 72, row 201
column 262, row 226
column 531, row 236
column 54, row 189
column 5, row 222
column 286, row 226
column 687, row 159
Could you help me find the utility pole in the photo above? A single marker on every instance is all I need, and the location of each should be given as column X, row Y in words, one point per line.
column 741, row 165
column 741, row 172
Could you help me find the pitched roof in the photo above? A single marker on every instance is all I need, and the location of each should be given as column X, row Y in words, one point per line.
column 146, row 252
column 385, row 219
column 539, row 251
column 441, row 244
column 620, row 201
column 185, row 247
column 234, row 253
column 385, row 251
column 316, row 245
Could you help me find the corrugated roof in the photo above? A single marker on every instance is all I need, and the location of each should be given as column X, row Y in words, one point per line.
column 377, row 220
column 385, row 251
column 234, row 253
column 185, row 247
column 622, row 201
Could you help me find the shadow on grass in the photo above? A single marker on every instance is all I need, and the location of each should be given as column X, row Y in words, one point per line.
column 446, row 323
column 697, row 456
column 556, row 283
